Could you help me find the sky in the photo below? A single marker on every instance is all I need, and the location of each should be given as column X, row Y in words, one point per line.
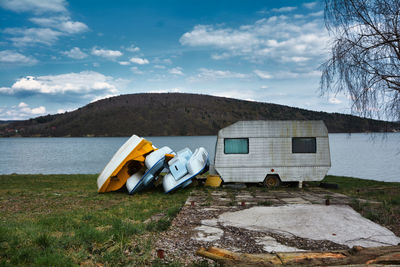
column 59, row 55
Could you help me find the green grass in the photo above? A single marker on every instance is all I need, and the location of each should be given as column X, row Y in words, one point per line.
column 369, row 189
column 386, row 212
column 61, row 220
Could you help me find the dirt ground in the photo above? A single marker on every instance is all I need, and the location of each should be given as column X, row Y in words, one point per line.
column 188, row 231
column 196, row 226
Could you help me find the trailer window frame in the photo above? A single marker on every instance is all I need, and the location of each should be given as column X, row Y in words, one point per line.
column 238, row 153
column 298, row 148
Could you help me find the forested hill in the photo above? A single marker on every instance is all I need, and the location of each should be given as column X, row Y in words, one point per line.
column 155, row 114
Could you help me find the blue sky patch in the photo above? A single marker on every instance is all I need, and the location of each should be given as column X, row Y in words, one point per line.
column 58, row 55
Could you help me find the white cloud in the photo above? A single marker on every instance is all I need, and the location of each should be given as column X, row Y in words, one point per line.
column 317, row 14
column 172, row 90
column 124, row 63
column 32, row 36
column 299, row 16
column 61, row 23
column 334, row 100
column 61, row 110
column 263, row 74
column 75, row 53
column 109, row 54
column 97, row 98
column 176, row 71
column 284, row 9
column 138, row 60
column 5, row 90
column 83, row 83
column 21, row 111
column 136, row 70
column 34, row 111
column 35, row 6
column 298, row 74
column 133, row 48
column 310, row 5
column 167, row 61
column 22, row 105
column 159, row 67
column 205, row 35
column 54, row 22
column 243, row 95
column 162, row 60
column 210, row 74
column 12, row 57
column 299, row 59
column 275, row 38
column 38, row 110
column 220, row 56
column 53, row 29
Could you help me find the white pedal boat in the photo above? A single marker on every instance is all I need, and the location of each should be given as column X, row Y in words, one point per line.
column 129, row 158
column 155, row 163
column 184, row 166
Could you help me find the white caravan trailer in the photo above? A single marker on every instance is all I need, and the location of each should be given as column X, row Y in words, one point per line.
column 273, row 151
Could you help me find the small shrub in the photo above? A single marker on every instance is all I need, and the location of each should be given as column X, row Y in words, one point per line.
column 172, row 212
column 43, row 241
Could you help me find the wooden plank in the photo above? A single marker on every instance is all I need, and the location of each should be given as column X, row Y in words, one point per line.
column 355, row 255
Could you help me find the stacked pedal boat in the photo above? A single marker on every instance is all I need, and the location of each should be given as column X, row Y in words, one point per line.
column 138, row 164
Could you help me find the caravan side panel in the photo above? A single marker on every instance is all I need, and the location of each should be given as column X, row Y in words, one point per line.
column 257, row 175
column 270, row 152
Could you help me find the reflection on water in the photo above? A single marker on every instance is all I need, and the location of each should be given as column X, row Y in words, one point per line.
column 360, row 155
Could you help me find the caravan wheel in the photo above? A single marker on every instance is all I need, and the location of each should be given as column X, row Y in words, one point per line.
column 272, row 181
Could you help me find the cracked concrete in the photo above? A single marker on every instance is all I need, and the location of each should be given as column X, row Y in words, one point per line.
column 339, row 224
column 256, row 220
column 271, row 245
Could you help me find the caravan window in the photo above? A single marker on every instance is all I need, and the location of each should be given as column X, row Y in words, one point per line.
column 304, row 145
column 236, row 146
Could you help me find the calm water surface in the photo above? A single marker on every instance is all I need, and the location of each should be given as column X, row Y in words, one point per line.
column 370, row 156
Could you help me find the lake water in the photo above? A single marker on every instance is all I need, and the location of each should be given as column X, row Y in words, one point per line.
column 369, row 156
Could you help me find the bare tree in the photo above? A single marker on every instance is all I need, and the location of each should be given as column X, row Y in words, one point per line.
column 365, row 58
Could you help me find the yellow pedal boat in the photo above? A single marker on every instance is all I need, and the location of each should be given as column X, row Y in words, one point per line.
column 127, row 160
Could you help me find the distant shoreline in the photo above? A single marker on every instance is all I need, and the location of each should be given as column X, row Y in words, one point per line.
column 176, row 114
column 91, row 136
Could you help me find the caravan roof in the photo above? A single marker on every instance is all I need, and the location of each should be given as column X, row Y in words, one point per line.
column 275, row 129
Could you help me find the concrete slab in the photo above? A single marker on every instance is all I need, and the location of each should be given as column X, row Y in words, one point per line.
column 246, row 203
column 265, row 196
column 295, row 200
column 363, row 201
column 271, row 245
column 314, row 199
column 206, row 223
column 339, row 224
column 208, row 233
column 219, row 193
column 223, row 199
column 245, row 196
column 211, row 209
column 338, row 195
